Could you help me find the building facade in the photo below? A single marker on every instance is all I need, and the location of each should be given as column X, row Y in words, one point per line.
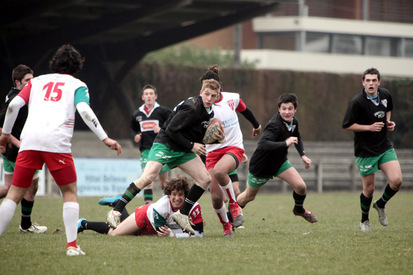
column 338, row 36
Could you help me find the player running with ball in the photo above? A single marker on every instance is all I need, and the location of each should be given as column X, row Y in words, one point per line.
column 224, row 157
column 177, row 145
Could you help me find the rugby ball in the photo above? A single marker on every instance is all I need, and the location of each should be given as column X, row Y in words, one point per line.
column 213, row 126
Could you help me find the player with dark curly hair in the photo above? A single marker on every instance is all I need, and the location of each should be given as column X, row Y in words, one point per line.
column 154, row 218
column 178, row 144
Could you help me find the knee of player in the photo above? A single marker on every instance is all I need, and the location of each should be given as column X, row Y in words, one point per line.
column 220, row 174
column 206, row 180
column 396, row 183
column 217, row 200
column 148, row 178
column 369, row 190
column 301, row 189
column 250, row 196
column 33, row 189
column 6, row 188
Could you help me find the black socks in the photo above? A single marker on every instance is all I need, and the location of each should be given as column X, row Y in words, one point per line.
column 387, row 195
column 129, row 194
column 365, row 207
column 299, row 202
column 27, row 207
column 194, row 194
column 147, row 195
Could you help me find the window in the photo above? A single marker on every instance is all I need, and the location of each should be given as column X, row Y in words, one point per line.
column 317, row 42
column 381, row 46
column 278, row 41
column 346, row 44
column 408, row 51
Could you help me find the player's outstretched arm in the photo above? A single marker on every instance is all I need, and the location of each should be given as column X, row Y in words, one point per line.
column 93, row 123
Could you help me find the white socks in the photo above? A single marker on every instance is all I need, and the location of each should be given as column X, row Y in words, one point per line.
column 7, row 209
column 70, row 218
column 229, row 192
column 222, row 214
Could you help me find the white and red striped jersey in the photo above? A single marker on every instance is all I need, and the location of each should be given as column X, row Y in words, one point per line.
column 160, row 213
column 226, row 110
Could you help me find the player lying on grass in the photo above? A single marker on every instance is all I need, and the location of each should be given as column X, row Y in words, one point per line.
column 154, row 218
column 178, row 144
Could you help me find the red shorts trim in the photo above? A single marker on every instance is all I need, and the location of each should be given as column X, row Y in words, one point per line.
column 142, row 220
column 214, row 156
column 36, row 159
column 22, row 177
column 60, row 165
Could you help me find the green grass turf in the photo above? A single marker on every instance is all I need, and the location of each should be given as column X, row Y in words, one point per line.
column 274, row 241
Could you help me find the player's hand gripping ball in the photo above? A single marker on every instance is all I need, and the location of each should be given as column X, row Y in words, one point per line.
column 214, row 129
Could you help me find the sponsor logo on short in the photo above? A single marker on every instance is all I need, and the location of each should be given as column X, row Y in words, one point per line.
column 258, row 180
column 162, row 155
column 365, row 167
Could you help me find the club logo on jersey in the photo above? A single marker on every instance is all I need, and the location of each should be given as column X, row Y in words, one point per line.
column 380, row 114
column 384, row 102
column 205, row 124
column 139, row 118
column 231, row 104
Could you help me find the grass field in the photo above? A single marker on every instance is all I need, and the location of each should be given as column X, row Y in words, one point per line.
column 274, row 241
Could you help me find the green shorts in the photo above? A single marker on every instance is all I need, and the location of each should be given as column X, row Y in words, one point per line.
column 258, row 182
column 167, row 156
column 233, row 173
column 144, row 160
column 370, row 165
column 9, row 167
